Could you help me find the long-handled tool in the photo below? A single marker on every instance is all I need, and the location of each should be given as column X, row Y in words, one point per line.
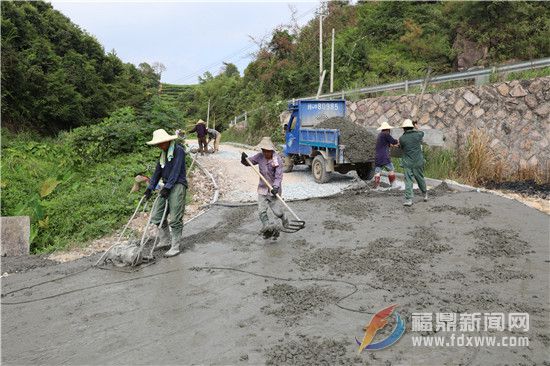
column 293, row 225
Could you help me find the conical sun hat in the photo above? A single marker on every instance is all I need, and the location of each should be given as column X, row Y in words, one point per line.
column 160, row 136
column 407, row 123
column 201, row 121
column 266, row 144
column 384, row 126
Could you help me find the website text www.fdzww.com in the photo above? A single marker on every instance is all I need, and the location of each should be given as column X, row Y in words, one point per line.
column 463, row 340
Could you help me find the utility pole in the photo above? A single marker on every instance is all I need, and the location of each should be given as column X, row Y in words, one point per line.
column 208, row 113
column 332, row 64
column 321, row 79
column 320, row 45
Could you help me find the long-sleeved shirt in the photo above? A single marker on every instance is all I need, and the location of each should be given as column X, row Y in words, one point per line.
column 383, row 143
column 200, row 129
column 212, row 134
column 411, row 144
column 272, row 170
column 173, row 171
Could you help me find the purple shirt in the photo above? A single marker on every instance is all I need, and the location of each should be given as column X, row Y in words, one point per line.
column 200, row 129
column 272, row 170
column 383, row 143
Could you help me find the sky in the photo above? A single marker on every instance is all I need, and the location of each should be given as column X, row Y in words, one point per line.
column 189, row 38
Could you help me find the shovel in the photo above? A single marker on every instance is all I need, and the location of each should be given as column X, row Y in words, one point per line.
column 293, row 225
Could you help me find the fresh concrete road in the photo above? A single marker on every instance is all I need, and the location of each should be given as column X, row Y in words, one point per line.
column 233, row 298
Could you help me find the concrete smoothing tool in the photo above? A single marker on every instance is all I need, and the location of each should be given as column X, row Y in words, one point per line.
column 293, row 225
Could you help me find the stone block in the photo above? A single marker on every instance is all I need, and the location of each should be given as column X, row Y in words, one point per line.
column 459, row 105
column 518, row 91
column 543, row 110
column 535, row 86
column 16, row 232
column 471, row 98
column 503, row 89
column 478, row 112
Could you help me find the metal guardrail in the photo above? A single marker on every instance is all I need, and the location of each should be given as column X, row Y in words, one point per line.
column 456, row 76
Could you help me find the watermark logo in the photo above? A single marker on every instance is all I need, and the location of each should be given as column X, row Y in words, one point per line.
column 379, row 321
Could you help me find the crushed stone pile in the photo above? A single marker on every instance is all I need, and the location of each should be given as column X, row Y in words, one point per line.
column 360, row 144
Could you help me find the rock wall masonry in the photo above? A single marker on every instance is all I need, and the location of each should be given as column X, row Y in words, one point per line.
column 516, row 114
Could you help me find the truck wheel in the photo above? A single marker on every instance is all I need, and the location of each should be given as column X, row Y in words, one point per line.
column 365, row 171
column 319, row 169
column 288, row 164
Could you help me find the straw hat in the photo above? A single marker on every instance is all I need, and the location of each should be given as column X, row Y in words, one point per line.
column 160, row 136
column 384, row 126
column 407, row 123
column 266, row 144
column 201, row 122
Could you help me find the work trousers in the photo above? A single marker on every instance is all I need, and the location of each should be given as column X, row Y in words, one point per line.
column 265, row 201
column 203, row 145
column 416, row 173
column 176, row 208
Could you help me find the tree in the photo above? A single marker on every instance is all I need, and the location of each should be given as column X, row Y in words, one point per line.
column 230, row 70
column 159, row 68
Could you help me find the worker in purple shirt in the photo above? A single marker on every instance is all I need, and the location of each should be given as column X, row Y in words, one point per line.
column 202, row 131
column 382, row 159
column 271, row 167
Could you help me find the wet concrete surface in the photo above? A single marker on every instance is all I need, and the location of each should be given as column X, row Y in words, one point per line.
column 234, row 298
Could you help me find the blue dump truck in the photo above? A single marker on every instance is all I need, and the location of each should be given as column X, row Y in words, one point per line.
column 319, row 148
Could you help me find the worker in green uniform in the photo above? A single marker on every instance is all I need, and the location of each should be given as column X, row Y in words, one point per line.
column 412, row 160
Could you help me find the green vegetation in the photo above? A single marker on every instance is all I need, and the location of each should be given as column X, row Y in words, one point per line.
column 56, row 76
column 76, row 187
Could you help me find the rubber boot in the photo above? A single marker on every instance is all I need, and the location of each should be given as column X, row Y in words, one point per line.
column 426, row 196
column 165, row 238
column 267, row 229
column 175, row 248
column 376, row 181
column 391, row 177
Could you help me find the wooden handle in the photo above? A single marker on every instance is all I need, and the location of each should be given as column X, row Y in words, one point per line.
column 270, row 188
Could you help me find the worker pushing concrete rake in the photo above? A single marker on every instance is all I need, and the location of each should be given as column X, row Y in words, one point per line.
column 133, row 252
column 291, row 226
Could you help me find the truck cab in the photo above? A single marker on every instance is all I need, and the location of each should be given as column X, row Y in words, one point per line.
column 319, row 148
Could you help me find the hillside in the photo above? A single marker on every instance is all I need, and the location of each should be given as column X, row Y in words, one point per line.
column 55, row 76
column 376, row 42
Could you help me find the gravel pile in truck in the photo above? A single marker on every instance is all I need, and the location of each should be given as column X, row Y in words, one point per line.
column 360, row 144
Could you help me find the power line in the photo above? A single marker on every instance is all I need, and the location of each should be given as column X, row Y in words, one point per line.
column 239, row 52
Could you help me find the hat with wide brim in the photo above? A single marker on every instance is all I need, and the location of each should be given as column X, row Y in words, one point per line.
column 266, row 144
column 201, row 121
column 160, row 136
column 384, row 126
column 407, row 123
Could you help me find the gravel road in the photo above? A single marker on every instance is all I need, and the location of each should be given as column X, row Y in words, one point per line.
column 239, row 183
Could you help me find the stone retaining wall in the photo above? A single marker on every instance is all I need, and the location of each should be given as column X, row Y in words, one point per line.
column 516, row 114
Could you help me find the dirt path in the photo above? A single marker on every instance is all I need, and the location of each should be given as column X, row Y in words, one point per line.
column 233, row 298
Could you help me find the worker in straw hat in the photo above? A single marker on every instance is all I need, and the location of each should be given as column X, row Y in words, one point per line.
column 171, row 168
column 202, row 131
column 382, row 158
column 412, row 160
column 271, row 167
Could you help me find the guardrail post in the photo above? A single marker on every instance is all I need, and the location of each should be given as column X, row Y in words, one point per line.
column 406, row 86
